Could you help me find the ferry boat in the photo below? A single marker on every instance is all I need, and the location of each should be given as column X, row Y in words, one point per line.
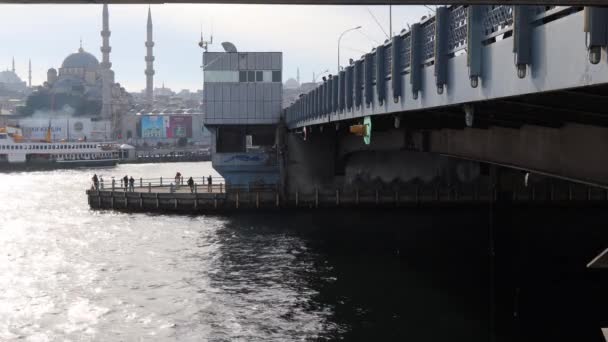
column 18, row 153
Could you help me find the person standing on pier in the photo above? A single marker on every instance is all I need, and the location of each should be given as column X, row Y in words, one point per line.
column 125, row 182
column 191, row 184
column 178, row 177
column 131, row 184
column 95, row 182
column 209, row 185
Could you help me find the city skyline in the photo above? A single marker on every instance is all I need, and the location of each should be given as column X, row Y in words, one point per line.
column 177, row 32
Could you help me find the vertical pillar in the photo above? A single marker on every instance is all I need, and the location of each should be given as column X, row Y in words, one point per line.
column 442, row 26
column 380, row 74
column 596, row 28
column 342, row 91
column 522, row 38
column 416, row 59
column 348, row 92
column 474, row 43
column 368, row 83
column 330, row 94
column 358, row 82
column 396, row 66
column 335, row 94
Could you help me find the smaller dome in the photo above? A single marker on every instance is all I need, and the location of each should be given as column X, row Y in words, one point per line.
column 9, row 77
column 292, row 84
column 81, row 59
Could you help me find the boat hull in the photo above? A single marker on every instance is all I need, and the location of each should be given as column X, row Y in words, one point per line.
column 51, row 165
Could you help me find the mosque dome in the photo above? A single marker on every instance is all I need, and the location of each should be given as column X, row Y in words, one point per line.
column 81, row 59
column 9, row 76
column 292, row 84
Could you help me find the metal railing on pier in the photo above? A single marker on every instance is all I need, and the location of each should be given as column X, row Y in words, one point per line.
column 165, row 184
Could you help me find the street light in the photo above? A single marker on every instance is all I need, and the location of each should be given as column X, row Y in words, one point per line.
column 339, row 39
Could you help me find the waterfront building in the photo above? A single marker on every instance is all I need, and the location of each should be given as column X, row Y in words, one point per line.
column 242, row 100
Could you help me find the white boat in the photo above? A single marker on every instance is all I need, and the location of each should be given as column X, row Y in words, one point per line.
column 17, row 153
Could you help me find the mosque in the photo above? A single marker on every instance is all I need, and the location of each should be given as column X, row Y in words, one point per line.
column 10, row 82
column 83, row 86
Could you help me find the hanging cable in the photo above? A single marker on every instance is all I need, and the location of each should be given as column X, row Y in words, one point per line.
column 377, row 22
column 368, row 37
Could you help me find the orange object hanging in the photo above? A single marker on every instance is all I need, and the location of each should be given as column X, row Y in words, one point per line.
column 359, row 130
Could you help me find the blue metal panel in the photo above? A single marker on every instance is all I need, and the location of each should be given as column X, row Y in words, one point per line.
column 522, row 37
column 321, row 89
column 441, row 47
column 315, row 101
column 474, row 43
column 358, row 82
column 380, row 75
column 341, row 91
column 368, row 79
column 595, row 18
column 349, row 87
column 396, row 61
column 320, row 97
column 416, row 59
column 335, row 93
column 330, row 94
column 326, row 98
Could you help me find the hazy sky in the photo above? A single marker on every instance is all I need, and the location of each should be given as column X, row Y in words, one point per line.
column 307, row 36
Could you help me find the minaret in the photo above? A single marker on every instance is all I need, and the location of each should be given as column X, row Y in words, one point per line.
column 105, row 65
column 105, row 35
column 29, row 74
column 13, row 64
column 149, row 63
column 298, row 76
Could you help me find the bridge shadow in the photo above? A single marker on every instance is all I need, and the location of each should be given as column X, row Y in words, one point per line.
column 425, row 275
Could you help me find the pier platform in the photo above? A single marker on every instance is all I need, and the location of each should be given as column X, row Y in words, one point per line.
column 223, row 198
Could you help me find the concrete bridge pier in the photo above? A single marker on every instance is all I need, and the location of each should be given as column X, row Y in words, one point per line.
column 310, row 163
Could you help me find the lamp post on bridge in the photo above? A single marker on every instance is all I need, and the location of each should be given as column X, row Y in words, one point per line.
column 339, row 39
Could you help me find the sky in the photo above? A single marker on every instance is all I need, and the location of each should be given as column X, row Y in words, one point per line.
column 307, row 36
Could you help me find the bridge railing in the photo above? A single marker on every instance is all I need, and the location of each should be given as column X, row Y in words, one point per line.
column 361, row 82
column 117, row 182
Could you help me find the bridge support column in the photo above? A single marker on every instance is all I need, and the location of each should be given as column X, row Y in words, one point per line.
column 310, row 163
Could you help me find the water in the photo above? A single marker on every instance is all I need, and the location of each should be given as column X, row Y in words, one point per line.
column 71, row 274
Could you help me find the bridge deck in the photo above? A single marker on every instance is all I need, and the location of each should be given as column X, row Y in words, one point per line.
column 433, row 70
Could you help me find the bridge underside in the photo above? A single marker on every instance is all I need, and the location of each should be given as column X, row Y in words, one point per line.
column 553, row 133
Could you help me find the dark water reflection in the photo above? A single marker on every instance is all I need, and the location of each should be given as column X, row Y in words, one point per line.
column 69, row 273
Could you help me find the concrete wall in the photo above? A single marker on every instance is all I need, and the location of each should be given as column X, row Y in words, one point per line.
column 573, row 151
column 310, row 163
column 386, row 167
